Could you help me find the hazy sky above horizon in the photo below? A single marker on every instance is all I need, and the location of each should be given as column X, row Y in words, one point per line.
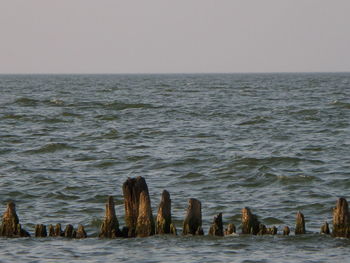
column 168, row 36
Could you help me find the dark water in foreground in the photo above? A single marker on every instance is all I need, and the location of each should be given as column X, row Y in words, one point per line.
column 277, row 143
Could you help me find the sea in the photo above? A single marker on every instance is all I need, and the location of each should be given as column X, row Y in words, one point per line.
column 277, row 143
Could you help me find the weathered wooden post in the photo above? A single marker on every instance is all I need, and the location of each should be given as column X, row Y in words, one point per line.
column 40, row 230
column 145, row 221
column 262, row 229
column 193, row 222
column 286, row 231
column 69, row 231
column 110, row 225
column 132, row 189
column 341, row 219
column 164, row 214
column 271, row 230
column 300, row 224
column 10, row 224
column 250, row 222
column 325, row 229
column 80, row 232
column 216, row 229
column 231, row 228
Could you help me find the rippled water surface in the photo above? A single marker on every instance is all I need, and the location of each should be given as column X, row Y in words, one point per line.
column 277, row 143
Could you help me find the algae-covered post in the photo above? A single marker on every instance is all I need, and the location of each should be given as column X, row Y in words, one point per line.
column 110, row 225
column 164, row 214
column 10, row 223
column 216, row 229
column 193, row 222
column 250, row 222
column 341, row 219
column 300, row 224
column 132, row 189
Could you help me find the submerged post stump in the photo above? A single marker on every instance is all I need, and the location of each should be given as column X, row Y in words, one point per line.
column 51, row 231
column 300, row 224
column 231, row 228
column 325, row 229
column 110, row 225
column 145, row 221
column 69, row 231
column 193, row 222
column 262, row 230
column 132, row 189
column 81, row 232
column 164, row 214
column 216, row 229
column 10, row 223
column 250, row 222
column 341, row 219
column 173, row 230
column 286, row 231
column 271, row 230
column 40, row 230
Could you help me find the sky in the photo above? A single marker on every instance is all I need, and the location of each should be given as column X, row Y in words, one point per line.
column 174, row 36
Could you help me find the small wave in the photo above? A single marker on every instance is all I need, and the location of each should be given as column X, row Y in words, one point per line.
column 56, row 101
column 12, row 117
column 26, row 102
column 283, row 160
column 192, row 175
column 50, row 148
column 124, row 106
column 340, row 104
column 107, row 117
column 300, row 178
column 112, row 134
column 255, row 120
column 104, row 164
column 70, row 114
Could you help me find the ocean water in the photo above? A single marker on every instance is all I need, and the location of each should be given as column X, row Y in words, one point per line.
column 277, row 143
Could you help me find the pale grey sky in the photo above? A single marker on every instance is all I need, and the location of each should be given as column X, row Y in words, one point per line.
column 150, row 36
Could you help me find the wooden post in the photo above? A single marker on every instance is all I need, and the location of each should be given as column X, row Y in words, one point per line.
column 341, row 219
column 216, row 229
column 110, row 225
column 300, row 224
column 250, row 222
column 132, row 189
column 193, row 221
column 164, row 214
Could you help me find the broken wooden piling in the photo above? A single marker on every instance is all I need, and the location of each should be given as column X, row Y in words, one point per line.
column 341, row 219
column 250, row 222
column 216, row 229
column 10, row 223
column 163, row 221
column 40, row 230
column 325, row 229
column 110, row 225
column 193, row 221
column 231, row 228
column 300, row 224
column 145, row 222
column 132, row 189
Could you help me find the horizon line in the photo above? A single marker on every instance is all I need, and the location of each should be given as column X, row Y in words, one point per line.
column 171, row 73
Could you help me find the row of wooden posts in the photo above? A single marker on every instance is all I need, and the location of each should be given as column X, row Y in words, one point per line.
column 140, row 222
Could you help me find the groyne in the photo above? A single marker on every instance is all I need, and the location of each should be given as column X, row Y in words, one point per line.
column 140, row 221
